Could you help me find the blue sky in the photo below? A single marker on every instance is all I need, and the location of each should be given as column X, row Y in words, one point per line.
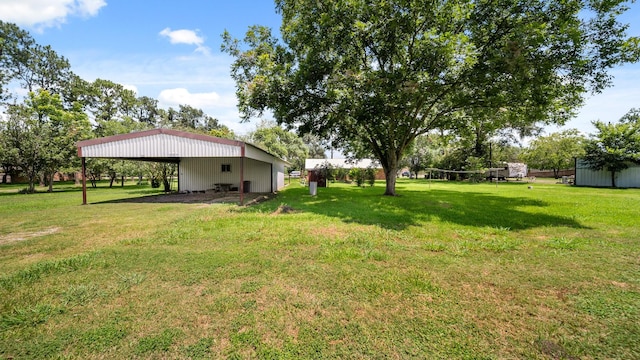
column 170, row 50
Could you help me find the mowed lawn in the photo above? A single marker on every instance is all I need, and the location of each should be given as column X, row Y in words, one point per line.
column 445, row 270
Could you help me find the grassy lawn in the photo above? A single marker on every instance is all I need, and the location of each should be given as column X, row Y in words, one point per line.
column 446, row 270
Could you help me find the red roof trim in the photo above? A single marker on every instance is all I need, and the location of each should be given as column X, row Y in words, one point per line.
column 139, row 134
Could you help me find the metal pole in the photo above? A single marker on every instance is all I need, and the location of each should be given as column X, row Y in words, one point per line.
column 241, row 187
column 84, row 182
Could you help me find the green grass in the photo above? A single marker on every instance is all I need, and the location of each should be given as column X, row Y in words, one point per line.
column 445, row 270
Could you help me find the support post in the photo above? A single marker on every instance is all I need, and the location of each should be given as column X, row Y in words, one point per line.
column 241, row 187
column 84, row 182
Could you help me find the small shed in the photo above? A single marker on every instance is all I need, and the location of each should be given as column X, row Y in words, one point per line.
column 203, row 161
column 628, row 178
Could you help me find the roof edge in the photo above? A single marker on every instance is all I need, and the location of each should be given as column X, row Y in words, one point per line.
column 144, row 133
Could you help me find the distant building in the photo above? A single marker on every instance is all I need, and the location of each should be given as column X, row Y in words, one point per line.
column 628, row 178
column 312, row 166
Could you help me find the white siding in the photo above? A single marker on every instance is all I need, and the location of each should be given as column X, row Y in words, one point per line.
column 629, row 178
column 202, row 173
column 198, row 174
column 278, row 174
column 254, row 153
column 259, row 173
column 602, row 178
column 161, row 146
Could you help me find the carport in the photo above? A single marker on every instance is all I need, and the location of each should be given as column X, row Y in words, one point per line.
column 204, row 162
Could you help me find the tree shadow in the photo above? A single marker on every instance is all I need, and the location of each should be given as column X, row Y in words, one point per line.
column 415, row 208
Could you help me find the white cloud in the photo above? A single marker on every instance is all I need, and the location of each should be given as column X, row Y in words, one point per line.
column 184, row 36
column 47, row 13
column 131, row 87
column 177, row 96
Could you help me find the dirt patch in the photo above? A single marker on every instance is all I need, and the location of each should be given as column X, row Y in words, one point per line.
column 284, row 209
column 198, row 197
column 20, row 236
column 553, row 350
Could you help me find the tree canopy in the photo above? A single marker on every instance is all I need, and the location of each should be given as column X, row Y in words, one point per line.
column 615, row 146
column 41, row 129
column 376, row 74
column 555, row 151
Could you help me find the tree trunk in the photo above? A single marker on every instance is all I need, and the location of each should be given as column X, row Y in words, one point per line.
column 613, row 179
column 51, row 182
column 390, row 177
column 122, row 181
column 555, row 173
column 32, row 181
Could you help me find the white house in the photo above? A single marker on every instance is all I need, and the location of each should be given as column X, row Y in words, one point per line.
column 203, row 161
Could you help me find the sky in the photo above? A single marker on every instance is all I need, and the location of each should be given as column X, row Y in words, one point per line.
column 170, row 50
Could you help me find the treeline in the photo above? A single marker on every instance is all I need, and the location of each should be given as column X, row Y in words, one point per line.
column 613, row 147
column 47, row 109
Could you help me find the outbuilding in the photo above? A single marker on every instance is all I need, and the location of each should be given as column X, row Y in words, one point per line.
column 627, row 178
column 204, row 162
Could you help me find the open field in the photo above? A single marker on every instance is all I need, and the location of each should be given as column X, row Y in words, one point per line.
column 446, row 270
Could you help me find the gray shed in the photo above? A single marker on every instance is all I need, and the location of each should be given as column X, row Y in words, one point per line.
column 203, row 161
column 628, row 178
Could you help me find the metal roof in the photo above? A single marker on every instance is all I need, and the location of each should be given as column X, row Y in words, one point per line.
column 169, row 145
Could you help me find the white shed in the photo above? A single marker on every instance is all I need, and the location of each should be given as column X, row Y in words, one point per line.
column 203, row 161
column 628, row 178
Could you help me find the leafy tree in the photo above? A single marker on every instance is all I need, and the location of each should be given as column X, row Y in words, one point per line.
column 25, row 142
column 421, row 154
column 315, row 146
column 284, row 144
column 223, row 132
column 162, row 173
column 614, row 147
column 358, row 175
column 36, row 67
column 370, row 175
column 556, row 151
column 377, row 74
column 147, row 111
column 108, row 101
column 41, row 136
column 14, row 47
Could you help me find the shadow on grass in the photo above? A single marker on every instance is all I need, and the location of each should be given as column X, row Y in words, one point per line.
column 190, row 198
column 415, row 208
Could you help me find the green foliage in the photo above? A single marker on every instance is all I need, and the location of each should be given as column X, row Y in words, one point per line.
column 614, row 146
column 358, row 175
column 281, row 143
column 375, row 75
column 555, row 151
column 475, row 164
column 421, row 154
column 370, row 175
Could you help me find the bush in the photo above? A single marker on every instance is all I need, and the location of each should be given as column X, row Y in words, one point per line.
column 370, row 175
column 358, row 175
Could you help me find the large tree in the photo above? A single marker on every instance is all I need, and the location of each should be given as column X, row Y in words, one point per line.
column 40, row 136
column 376, row 74
column 615, row 146
column 555, row 151
column 281, row 143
